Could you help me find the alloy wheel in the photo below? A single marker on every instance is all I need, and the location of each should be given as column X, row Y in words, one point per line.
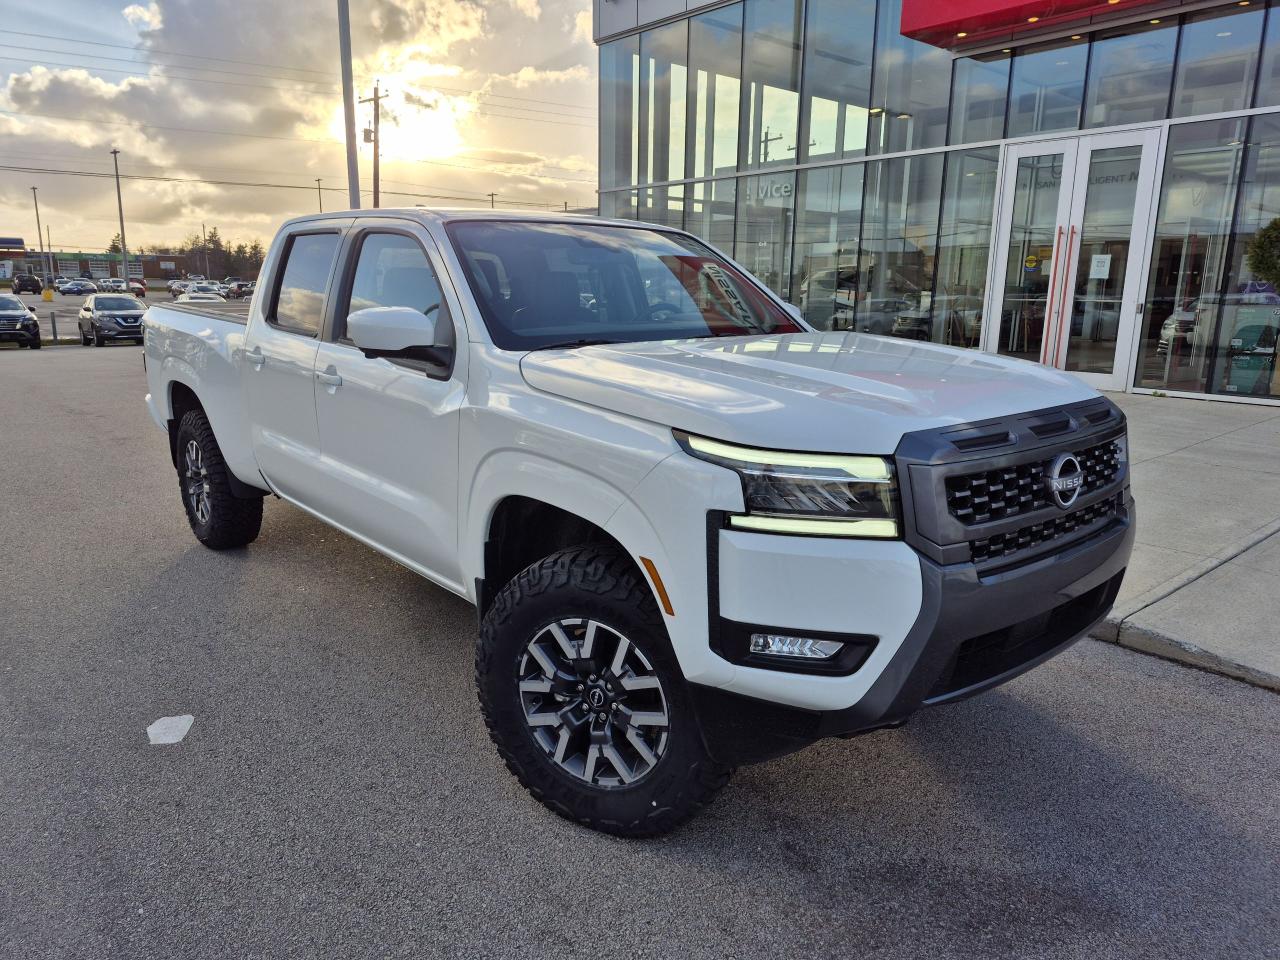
column 196, row 484
column 593, row 702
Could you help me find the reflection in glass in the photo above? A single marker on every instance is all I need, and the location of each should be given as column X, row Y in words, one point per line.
column 1102, row 259
column 1034, row 242
column 715, row 88
column 619, row 204
column 1129, row 76
column 771, row 76
column 824, row 282
column 1268, row 94
column 1249, row 316
column 964, row 242
column 837, row 78
column 1193, row 225
column 710, row 212
column 619, row 111
column 663, row 78
column 1217, row 61
column 1047, row 88
column 910, row 87
column 899, row 240
column 763, row 241
column 979, row 89
column 664, row 205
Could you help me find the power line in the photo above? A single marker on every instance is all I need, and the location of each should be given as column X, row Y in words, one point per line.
column 166, row 53
column 102, row 175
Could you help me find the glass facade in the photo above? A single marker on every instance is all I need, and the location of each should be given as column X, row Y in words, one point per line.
column 861, row 175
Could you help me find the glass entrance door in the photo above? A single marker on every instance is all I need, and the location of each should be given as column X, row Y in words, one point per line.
column 1065, row 286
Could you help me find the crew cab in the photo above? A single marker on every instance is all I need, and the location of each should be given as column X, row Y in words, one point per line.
column 697, row 532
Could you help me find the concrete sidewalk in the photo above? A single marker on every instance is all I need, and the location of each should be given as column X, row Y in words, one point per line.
column 1204, row 584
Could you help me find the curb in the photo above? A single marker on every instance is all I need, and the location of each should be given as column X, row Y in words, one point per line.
column 1118, row 629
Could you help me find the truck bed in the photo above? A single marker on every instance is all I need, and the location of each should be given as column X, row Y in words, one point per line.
column 234, row 311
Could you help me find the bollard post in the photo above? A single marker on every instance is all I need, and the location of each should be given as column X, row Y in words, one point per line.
column 53, row 319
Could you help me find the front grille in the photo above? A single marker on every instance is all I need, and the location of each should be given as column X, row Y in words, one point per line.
column 1009, row 491
column 1002, row 544
column 10, row 324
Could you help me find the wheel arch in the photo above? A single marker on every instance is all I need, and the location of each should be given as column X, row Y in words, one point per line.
column 180, row 400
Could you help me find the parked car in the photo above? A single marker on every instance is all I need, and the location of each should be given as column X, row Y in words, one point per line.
column 202, row 296
column 110, row 316
column 59, row 282
column 113, row 285
column 78, row 288
column 177, row 287
column 138, row 288
column 27, row 283
column 228, row 281
column 202, row 287
column 698, row 533
column 240, row 289
column 18, row 323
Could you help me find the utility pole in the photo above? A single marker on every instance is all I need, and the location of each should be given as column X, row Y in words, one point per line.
column 348, row 103
column 204, row 243
column 376, row 100
column 39, row 229
column 124, row 247
column 319, row 195
column 492, row 200
column 48, row 245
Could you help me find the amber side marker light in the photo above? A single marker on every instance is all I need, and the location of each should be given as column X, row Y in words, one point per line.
column 658, row 585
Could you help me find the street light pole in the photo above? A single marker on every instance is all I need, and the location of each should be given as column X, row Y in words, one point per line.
column 124, row 247
column 348, row 103
column 319, row 195
column 204, row 245
column 39, row 230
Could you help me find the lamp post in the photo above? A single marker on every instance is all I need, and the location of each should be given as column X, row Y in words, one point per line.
column 348, row 102
column 319, row 195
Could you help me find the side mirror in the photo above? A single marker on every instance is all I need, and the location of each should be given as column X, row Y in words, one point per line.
column 796, row 313
column 398, row 333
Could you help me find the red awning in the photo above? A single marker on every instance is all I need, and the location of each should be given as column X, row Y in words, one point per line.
column 962, row 23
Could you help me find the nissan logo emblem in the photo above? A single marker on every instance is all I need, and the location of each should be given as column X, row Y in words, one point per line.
column 1065, row 479
column 596, row 697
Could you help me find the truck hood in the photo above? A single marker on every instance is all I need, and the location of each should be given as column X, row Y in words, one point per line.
column 821, row 392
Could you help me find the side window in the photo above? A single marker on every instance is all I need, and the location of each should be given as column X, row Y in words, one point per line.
column 393, row 271
column 308, row 261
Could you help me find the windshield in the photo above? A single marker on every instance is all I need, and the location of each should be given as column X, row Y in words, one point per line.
column 546, row 284
column 117, row 303
column 11, row 303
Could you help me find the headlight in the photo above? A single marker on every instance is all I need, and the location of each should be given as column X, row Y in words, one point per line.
column 817, row 494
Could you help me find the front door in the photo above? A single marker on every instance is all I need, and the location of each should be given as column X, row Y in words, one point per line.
column 1066, row 283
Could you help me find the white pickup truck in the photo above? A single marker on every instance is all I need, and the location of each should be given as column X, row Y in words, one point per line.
column 697, row 533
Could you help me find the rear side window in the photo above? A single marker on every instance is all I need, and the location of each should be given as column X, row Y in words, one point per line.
column 392, row 271
column 308, row 262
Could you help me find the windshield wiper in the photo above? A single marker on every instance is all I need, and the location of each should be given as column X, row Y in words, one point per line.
column 566, row 344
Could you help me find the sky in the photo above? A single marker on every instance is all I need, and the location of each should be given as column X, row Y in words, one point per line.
column 483, row 96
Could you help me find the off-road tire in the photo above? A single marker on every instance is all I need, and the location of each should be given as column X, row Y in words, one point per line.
column 232, row 521
column 35, row 344
column 596, row 583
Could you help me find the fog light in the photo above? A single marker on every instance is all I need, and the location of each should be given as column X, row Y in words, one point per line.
column 804, row 648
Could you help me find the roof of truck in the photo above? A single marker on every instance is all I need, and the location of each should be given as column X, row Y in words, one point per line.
column 446, row 214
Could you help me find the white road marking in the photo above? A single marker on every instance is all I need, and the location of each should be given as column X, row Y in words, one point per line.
column 169, row 729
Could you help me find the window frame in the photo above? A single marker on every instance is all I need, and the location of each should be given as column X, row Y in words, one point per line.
column 277, row 281
column 335, row 329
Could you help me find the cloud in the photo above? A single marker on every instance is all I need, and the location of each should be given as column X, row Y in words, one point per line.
column 582, row 27
column 147, row 17
column 273, row 119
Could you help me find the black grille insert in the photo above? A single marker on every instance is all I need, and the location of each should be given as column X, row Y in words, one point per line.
column 1002, row 544
column 1009, row 491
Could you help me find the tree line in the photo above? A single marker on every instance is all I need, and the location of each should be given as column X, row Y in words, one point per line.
column 224, row 259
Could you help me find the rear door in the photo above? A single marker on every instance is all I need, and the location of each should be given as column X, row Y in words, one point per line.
column 389, row 428
column 278, row 367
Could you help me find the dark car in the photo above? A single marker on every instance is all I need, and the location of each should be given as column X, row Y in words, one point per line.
column 78, row 288
column 110, row 316
column 18, row 323
column 27, row 283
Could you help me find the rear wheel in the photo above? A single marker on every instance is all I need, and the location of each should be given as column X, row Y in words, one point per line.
column 585, row 700
column 219, row 519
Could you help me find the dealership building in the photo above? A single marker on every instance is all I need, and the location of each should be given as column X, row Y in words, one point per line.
column 1075, row 182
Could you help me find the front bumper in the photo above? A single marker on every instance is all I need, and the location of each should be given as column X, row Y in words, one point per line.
column 972, row 632
column 21, row 335
column 114, row 331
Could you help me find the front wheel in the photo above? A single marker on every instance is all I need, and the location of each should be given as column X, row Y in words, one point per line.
column 98, row 339
column 219, row 519
column 35, row 344
column 585, row 700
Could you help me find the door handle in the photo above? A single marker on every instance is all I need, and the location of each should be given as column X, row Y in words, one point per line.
column 255, row 357
column 330, row 377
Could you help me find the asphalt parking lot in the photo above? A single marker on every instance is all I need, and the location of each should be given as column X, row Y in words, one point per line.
column 338, row 796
